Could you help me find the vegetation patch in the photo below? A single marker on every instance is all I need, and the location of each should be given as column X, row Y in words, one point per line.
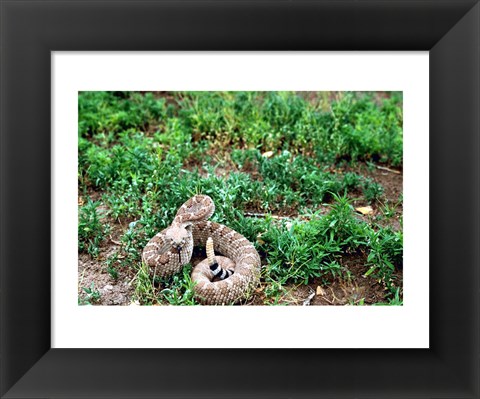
column 313, row 180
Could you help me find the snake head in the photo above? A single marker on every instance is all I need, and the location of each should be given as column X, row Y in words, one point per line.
column 179, row 235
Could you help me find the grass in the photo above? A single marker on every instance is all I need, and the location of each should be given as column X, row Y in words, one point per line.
column 295, row 165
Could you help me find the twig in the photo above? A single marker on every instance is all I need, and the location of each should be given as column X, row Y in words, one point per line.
column 388, row 169
column 334, row 297
column 262, row 215
column 115, row 242
column 329, row 301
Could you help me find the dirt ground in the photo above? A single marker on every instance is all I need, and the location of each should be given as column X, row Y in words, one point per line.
column 354, row 290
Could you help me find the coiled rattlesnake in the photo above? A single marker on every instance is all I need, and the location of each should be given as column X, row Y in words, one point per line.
column 169, row 250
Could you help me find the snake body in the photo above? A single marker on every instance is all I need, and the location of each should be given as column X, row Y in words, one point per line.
column 171, row 249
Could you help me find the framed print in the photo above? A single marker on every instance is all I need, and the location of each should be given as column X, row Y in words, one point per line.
column 286, row 283
column 72, row 71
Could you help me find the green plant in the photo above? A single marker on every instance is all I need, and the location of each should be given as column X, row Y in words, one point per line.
column 386, row 254
column 110, row 264
column 389, row 210
column 179, row 289
column 351, row 180
column 92, row 295
column 372, row 190
column 394, row 300
column 91, row 230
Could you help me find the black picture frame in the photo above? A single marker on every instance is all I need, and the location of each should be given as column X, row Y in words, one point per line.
column 449, row 30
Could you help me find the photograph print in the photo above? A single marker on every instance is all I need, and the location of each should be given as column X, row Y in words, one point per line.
column 240, row 198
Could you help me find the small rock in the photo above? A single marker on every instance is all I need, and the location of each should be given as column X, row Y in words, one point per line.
column 108, row 287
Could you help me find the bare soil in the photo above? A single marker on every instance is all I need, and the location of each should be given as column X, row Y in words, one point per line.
column 112, row 291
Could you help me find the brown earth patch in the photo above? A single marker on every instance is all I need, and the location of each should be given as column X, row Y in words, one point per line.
column 112, row 291
column 391, row 180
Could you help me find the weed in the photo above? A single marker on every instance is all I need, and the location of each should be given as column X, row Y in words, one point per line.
column 179, row 289
column 351, row 180
column 389, row 210
column 92, row 295
column 110, row 265
column 394, row 300
column 386, row 254
column 91, row 230
column 372, row 190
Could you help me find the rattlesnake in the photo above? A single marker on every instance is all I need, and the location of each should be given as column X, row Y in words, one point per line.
column 169, row 250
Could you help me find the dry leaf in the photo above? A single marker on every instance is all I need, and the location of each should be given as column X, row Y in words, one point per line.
column 365, row 210
column 320, row 291
column 267, row 154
